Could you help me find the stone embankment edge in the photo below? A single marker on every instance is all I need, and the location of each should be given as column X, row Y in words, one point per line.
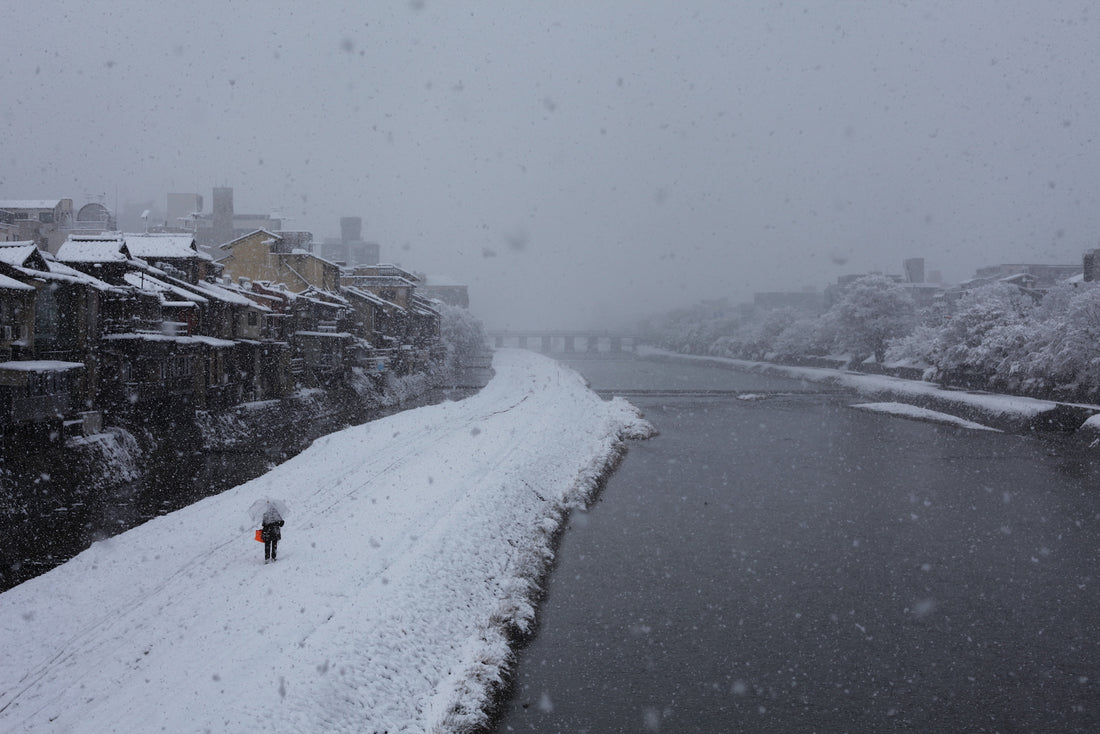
column 1006, row 412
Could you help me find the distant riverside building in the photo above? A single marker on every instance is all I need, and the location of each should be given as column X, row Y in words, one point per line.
column 444, row 289
column 94, row 218
column 221, row 221
column 922, row 292
column 351, row 229
column 351, row 249
column 296, row 240
column 9, row 232
column 46, row 222
column 182, row 211
column 1039, row 275
column 914, row 269
column 224, row 224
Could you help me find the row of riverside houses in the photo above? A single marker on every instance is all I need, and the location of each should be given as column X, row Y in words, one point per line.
column 118, row 325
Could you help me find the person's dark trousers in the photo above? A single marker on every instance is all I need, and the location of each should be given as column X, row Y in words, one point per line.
column 270, row 548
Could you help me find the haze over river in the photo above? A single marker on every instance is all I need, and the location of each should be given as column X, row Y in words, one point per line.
column 776, row 561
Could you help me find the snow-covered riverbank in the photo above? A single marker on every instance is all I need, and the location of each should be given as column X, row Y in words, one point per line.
column 409, row 557
column 1005, row 412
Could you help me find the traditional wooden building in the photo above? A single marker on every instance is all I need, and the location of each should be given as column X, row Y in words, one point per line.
column 267, row 256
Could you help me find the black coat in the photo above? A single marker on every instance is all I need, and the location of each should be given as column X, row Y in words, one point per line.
column 271, row 531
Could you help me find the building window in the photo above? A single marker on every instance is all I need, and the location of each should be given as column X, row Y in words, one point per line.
column 179, row 367
column 47, row 383
column 45, row 217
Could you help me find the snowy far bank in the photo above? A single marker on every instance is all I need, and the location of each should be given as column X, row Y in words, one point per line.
column 1007, row 412
column 911, row 411
column 409, row 557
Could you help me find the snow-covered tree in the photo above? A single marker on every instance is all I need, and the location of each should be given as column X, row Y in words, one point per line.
column 976, row 338
column 1063, row 349
column 871, row 311
column 462, row 333
column 808, row 335
column 692, row 330
column 915, row 349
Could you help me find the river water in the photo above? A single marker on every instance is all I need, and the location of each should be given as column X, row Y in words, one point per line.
column 778, row 561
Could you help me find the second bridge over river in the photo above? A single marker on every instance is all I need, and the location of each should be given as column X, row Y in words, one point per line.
column 566, row 342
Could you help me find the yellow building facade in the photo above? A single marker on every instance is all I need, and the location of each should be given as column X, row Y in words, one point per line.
column 263, row 256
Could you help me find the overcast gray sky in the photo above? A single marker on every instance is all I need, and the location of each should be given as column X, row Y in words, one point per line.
column 582, row 162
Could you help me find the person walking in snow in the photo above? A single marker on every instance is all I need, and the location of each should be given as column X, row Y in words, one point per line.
column 270, row 533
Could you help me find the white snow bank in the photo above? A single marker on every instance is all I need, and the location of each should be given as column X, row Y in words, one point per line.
column 408, row 556
column 988, row 403
column 911, row 411
column 1092, row 424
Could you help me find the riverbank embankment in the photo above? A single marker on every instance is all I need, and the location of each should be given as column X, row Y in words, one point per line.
column 410, row 562
column 1009, row 413
column 59, row 497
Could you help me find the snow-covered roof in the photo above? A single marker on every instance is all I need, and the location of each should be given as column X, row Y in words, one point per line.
column 63, row 273
column 392, row 305
column 90, row 249
column 384, row 269
column 229, row 245
column 423, row 307
column 372, row 296
column 333, row 334
column 442, row 280
column 328, row 298
column 10, row 204
column 394, row 281
column 11, row 284
column 134, row 336
column 306, row 253
column 40, row 365
column 253, row 296
column 146, row 282
column 17, row 253
column 151, row 246
column 365, row 295
column 223, row 294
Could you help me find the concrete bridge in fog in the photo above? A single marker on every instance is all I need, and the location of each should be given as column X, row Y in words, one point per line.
column 565, row 341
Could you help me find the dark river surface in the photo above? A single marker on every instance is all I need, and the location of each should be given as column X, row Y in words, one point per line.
column 785, row 563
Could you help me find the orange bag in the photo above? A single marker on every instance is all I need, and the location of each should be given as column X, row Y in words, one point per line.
column 260, row 535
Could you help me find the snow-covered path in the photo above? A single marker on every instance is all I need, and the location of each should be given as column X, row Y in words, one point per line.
column 407, row 557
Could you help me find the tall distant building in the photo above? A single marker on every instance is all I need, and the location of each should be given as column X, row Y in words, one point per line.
column 222, row 223
column 351, row 229
column 914, row 269
column 351, row 249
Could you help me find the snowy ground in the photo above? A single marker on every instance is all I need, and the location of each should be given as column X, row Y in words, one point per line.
column 408, row 557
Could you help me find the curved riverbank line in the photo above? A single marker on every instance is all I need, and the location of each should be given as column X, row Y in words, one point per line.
column 1005, row 412
column 410, row 558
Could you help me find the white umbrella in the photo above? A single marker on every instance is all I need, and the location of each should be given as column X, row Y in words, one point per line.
column 267, row 509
